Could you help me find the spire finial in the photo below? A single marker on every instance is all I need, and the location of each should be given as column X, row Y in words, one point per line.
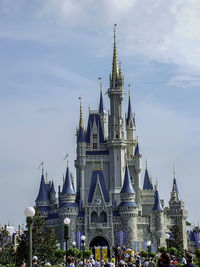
column 100, row 79
column 67, row 163
column 174, row 172
column 146, row 164
column 115, row 70
column 46, row 176
column 42, row 168
column 81, row 115
column 156, row 186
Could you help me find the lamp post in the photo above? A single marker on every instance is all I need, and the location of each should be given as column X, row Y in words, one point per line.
column 66, row 234
column 167, row 237
column 149, row 247
column 29, row 213
column 83, row 248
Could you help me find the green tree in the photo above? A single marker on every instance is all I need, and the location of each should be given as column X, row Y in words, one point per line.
column 197, row 256
column 162, row 249
column 74, row 252
column 44, row 241
column 173, row 251
column 177, row 241
column 59, row 256
column 22, row 248
column 8, row 255
column 143, row 253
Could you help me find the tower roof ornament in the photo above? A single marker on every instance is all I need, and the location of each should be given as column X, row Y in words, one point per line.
column 81, row 125
column 115, row 69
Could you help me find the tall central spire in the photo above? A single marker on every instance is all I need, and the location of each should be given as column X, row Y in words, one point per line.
column 81, row 116
column 115, row 69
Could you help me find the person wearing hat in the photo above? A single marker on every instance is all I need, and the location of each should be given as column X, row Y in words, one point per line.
column 189, row 260
column 35, row 262
column 165, row 260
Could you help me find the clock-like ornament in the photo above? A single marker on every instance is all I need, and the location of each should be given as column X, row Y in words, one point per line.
column 98, row 201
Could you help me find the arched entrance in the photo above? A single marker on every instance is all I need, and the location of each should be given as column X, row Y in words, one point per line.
column 100, row 242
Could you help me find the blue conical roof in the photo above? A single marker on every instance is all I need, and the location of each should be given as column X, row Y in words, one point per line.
column 127, row 187
column 43, row 194
column 175, row 189
column 101, row 111
column 67, row 186
column 147, row 184
column 129, row 113
column 157, row 204
column 52, row 189
column 137, row 151
column 81, row 135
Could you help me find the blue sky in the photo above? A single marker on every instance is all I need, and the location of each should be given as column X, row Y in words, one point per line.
column 52, row 52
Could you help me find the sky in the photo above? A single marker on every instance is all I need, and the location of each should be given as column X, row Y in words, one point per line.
column 52, row 53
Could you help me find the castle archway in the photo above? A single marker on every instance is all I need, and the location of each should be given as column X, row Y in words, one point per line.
column 101, row 242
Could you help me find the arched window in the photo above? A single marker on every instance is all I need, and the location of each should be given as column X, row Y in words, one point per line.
column 103, row 217
column 94, row 217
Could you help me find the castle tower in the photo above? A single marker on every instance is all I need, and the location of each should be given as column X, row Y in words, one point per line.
column 158, row 219
column 177, row 211
column 80, row 162
column 147, row 194
column 130, row 131
column 116, row 142
column 42, row 201
column 102, row 114
column 67, row 206
column 52, row 196
column 128, row 211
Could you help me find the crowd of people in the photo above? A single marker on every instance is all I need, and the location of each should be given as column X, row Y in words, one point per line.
column 127, row 259
column 163, row 259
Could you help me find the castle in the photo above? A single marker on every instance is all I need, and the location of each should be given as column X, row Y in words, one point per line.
column 108, row 204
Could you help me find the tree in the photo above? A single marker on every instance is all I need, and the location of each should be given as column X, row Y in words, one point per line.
column 44, row 241
column 173, row 251
column 74, row 252
column 59, row 256
column 162, row 249
column 7, row 254
column 177, row 240
column 197, row 255
column 22, row 248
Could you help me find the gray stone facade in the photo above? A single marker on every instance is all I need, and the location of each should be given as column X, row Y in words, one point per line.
column 109, row 202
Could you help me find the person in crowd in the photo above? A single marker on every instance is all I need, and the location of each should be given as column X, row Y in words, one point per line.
column 22, row 264
column 70, row 262
column 189, row 260
column 151, row 263
column 97, row 263
column 35, row 262
column 164, row 260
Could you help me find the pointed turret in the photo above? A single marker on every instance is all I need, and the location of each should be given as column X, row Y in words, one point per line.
column 130, row 117
column 157, row 204
column 52, row 189
column 81, row 135
column 137, row 151
column 127, row 193
column 67, row 186
column 115, row 69
column 175, row 194
column 147, row 183
column 116, row 78
column 43, row 194
column 127, row 186
column 101, row 110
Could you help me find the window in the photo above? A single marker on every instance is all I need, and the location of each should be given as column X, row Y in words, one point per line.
column 94, row 136
column 94, row 145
